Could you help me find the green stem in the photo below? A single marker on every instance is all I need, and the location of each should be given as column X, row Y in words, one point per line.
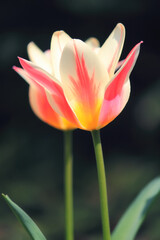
column 68, row 185
column 102, row 184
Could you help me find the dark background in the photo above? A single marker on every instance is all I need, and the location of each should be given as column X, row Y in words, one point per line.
column 31, row 159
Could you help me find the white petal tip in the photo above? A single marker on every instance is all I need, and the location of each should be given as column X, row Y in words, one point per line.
column 120, row 26
column 30, row 45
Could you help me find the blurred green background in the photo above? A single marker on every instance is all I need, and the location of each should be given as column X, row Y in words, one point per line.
column 31, row 153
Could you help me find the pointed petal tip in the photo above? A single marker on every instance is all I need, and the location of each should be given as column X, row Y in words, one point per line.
column 15, row 68
column 58, row 33
column 121, row 27
column 23, row 61
column 20, row 58
column 135, row 49
column 137, row 46
column 30, row 44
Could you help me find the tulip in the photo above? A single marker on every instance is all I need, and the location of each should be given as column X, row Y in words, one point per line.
column 83, row 83
column 41, row 107
column 85, row 86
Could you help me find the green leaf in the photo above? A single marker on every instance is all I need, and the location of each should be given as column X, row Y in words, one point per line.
column 132, row 219
column 32, row 229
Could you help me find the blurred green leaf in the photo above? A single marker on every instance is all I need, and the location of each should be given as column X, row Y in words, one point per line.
column 134, row 216
column 32, row 229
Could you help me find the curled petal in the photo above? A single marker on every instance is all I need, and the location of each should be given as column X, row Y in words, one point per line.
column 38, row 57
column 84, row 78
column 43, row 110
column 117, row 92
column 112, row 48
column 53, row 89
column 59, row 40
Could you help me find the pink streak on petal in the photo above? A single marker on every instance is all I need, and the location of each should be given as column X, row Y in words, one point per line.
column 84, row 86
column 39, row 76
column 116, row 85
column 41, row 107
column 54, row 89
column 87, row 109
column 43, row 110
column 110, row 109
column 115, row 93
column 25, row 76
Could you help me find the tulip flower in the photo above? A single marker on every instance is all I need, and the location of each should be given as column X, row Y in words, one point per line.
column 81, row 81
column 85, row 86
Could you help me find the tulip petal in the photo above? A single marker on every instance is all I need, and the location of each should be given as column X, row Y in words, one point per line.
column 122, row 75
column 39, row 75
column 112, row 108
column 53, row 89
column 24, row 75
column 59, row 40
column 93, row 42
column 38, row 57
column 44, row 111
column 112, row 48
column 118, row 91
column 41, row 107
column 84, row 79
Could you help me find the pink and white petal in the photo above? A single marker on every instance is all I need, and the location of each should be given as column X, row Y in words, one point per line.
column 31, row 80
column 61, row 106
column 38, row 57
column 53, row 89
column 115, row 85
column 84, row 79
column 38, row 100
column 111, row 50
column 41, row 107
column 117, row 92
column 113, row 107
column 58, row 41
column 39, row 75
column 25, row 76
column 43, row 110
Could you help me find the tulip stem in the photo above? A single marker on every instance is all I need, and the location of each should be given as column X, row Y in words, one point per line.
column 68, row 185
column 102, row 184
